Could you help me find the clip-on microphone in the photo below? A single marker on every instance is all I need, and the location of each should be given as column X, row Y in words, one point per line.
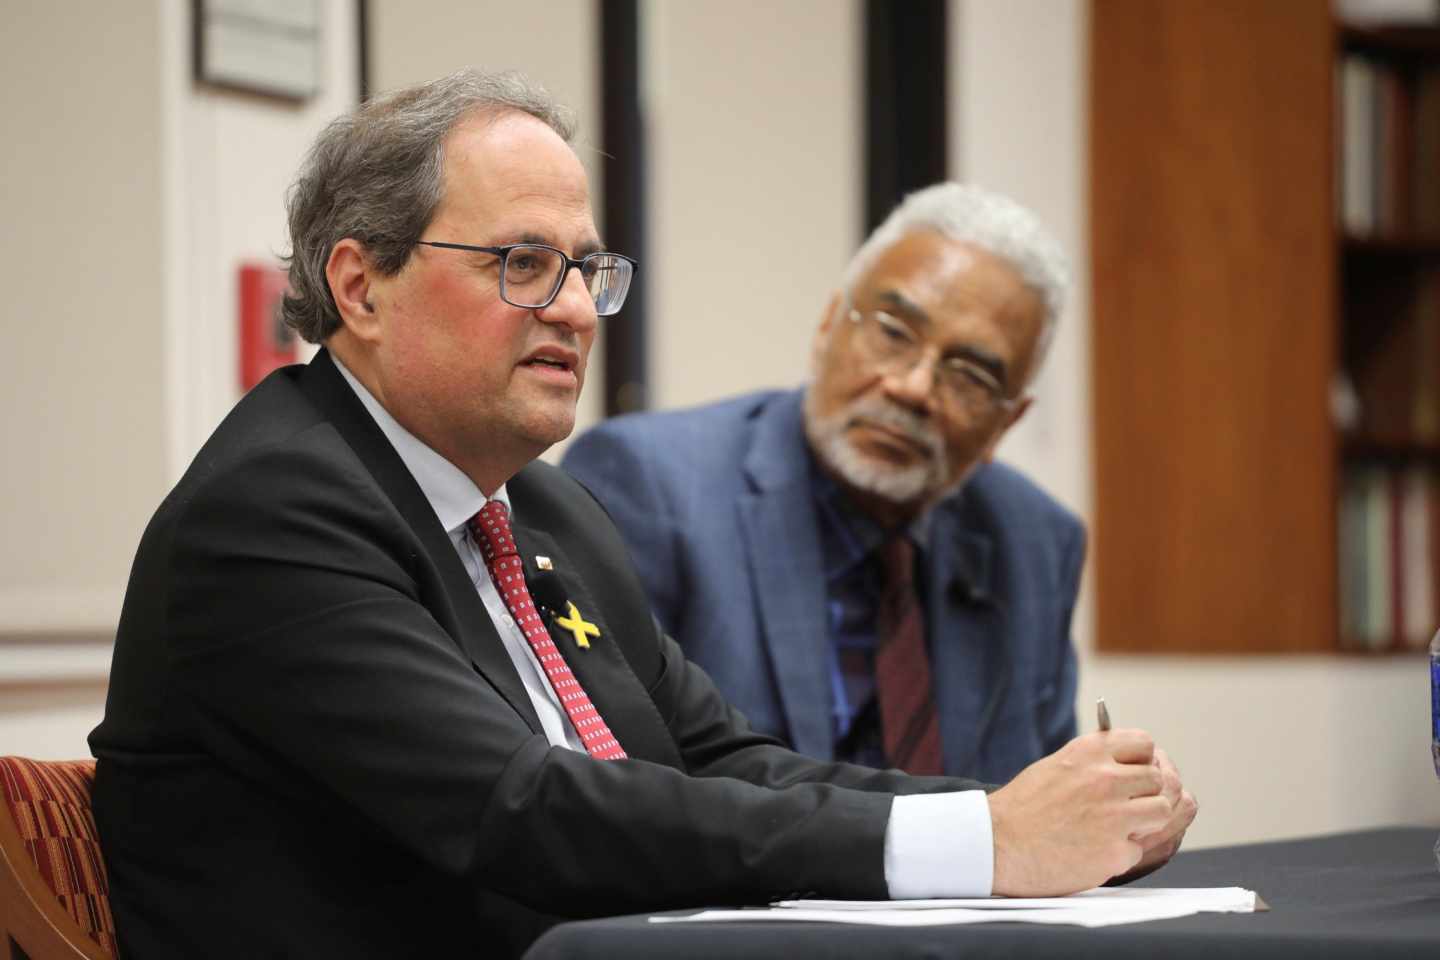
column 547, row 591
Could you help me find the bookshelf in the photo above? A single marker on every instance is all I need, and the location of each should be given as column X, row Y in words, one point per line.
column 1264, row 366
column 1406, row 45
column 1387, row 163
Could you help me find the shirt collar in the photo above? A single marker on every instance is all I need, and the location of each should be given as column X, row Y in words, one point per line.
column 452, row 495
column 850, row 535
column 857, row 532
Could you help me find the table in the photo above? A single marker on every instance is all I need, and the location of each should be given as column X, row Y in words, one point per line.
column 1374, row 893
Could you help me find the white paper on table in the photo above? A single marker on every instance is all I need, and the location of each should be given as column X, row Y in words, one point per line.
column 1100, row 907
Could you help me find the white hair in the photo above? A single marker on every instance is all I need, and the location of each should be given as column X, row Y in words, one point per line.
column 990, row 221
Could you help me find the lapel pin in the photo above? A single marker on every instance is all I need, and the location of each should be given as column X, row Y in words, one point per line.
column 543, row 563
column 578, row 626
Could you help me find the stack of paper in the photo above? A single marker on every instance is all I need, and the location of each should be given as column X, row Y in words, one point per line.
column 1091, row 908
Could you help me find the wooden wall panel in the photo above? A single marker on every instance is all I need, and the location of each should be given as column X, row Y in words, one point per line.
column 1213, row 317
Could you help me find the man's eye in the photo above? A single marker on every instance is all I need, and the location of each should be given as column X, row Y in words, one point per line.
column 968, row 375
column 893, row 329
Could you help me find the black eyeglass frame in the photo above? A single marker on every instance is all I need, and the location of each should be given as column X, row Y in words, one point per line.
column 503, row 252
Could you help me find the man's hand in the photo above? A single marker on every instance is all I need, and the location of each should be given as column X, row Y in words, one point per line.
column 1102, row 805
column 1161, row 845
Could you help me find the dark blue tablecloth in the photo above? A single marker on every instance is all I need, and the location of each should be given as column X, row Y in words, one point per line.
column 1372, row 894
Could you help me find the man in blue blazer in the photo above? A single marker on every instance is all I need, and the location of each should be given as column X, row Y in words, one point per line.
column 759, row 523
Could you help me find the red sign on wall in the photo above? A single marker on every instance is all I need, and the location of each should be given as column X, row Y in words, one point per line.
column 265, row 341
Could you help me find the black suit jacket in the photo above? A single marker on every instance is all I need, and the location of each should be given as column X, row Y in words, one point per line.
column 315, row 744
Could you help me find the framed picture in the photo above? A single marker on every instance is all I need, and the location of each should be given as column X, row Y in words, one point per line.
column 269, row 47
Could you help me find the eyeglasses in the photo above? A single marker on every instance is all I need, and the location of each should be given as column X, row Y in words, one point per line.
column 892, row 346
column 531, row 274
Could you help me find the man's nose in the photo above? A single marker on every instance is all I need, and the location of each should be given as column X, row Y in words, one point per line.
column 914, row 385
column 573, row 306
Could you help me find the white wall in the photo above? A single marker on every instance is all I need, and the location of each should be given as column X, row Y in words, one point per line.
column 81, row 375
column 229, row 158
column 1272, row 746
column 755, row 187
column 130, row 200
column 82, row 387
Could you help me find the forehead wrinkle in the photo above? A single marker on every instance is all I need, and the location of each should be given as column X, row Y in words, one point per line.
column 512, row 179
column 919, row 316
column 531, row 216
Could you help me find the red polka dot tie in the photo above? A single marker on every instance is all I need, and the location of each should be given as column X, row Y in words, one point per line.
column 491, row 530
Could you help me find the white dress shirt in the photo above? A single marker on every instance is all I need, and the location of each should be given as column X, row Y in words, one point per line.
column 455, row 499
column 936, row 845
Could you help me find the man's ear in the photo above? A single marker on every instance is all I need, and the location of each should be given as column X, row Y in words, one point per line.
column 1011, row 418
column 349, row 274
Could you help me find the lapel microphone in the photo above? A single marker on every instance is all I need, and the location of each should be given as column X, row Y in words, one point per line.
column 547, row 590
column 963, row 591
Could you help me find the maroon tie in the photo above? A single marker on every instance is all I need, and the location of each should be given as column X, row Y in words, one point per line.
column 909, row 727
column 491, row 530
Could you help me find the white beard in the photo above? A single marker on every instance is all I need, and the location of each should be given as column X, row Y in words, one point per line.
column 829, row 440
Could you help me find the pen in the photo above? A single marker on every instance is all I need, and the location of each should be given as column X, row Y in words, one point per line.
column 1102, row 714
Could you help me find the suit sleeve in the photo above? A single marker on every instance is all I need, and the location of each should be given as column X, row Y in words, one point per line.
column 1058, row 726
column 716, row 741
column 619, row 475
column 308, row 661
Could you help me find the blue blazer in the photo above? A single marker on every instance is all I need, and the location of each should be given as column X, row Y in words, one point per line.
column 702, row 495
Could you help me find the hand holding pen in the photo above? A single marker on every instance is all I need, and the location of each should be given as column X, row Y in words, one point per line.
column 1106, row 807
column 1161, row 845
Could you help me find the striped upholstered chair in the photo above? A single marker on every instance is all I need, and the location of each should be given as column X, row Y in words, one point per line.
column 54, row 897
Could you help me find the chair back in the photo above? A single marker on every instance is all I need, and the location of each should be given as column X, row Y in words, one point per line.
column 54, row 894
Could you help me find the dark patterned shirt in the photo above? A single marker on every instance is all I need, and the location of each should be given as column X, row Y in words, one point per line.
column 849, row 544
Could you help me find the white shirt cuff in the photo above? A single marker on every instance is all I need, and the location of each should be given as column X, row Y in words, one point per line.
column 939, row 845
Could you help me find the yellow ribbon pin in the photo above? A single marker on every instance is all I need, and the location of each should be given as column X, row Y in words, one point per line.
column 578, row 625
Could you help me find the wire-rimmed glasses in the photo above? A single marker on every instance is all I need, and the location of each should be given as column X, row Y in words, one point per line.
column 531, row 274
column 893, row 346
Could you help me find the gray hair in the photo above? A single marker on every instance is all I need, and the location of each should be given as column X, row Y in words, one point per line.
column 990, row 221
column 377, row 174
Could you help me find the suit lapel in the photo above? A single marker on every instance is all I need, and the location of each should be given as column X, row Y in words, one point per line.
column 782, row 544
column 969, row 659
column 601, row 668
column 460, row 611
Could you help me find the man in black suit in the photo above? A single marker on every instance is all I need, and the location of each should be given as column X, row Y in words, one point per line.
column 337, row 725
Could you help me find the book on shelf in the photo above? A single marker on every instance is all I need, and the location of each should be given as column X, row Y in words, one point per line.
column 1388, row 149
column 1389, row 525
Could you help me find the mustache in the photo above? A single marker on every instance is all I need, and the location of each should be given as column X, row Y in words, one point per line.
column 913, row 427
column 566, row 340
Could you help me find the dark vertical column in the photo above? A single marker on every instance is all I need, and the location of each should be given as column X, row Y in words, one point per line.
column 623, row 165
column 905, row 122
